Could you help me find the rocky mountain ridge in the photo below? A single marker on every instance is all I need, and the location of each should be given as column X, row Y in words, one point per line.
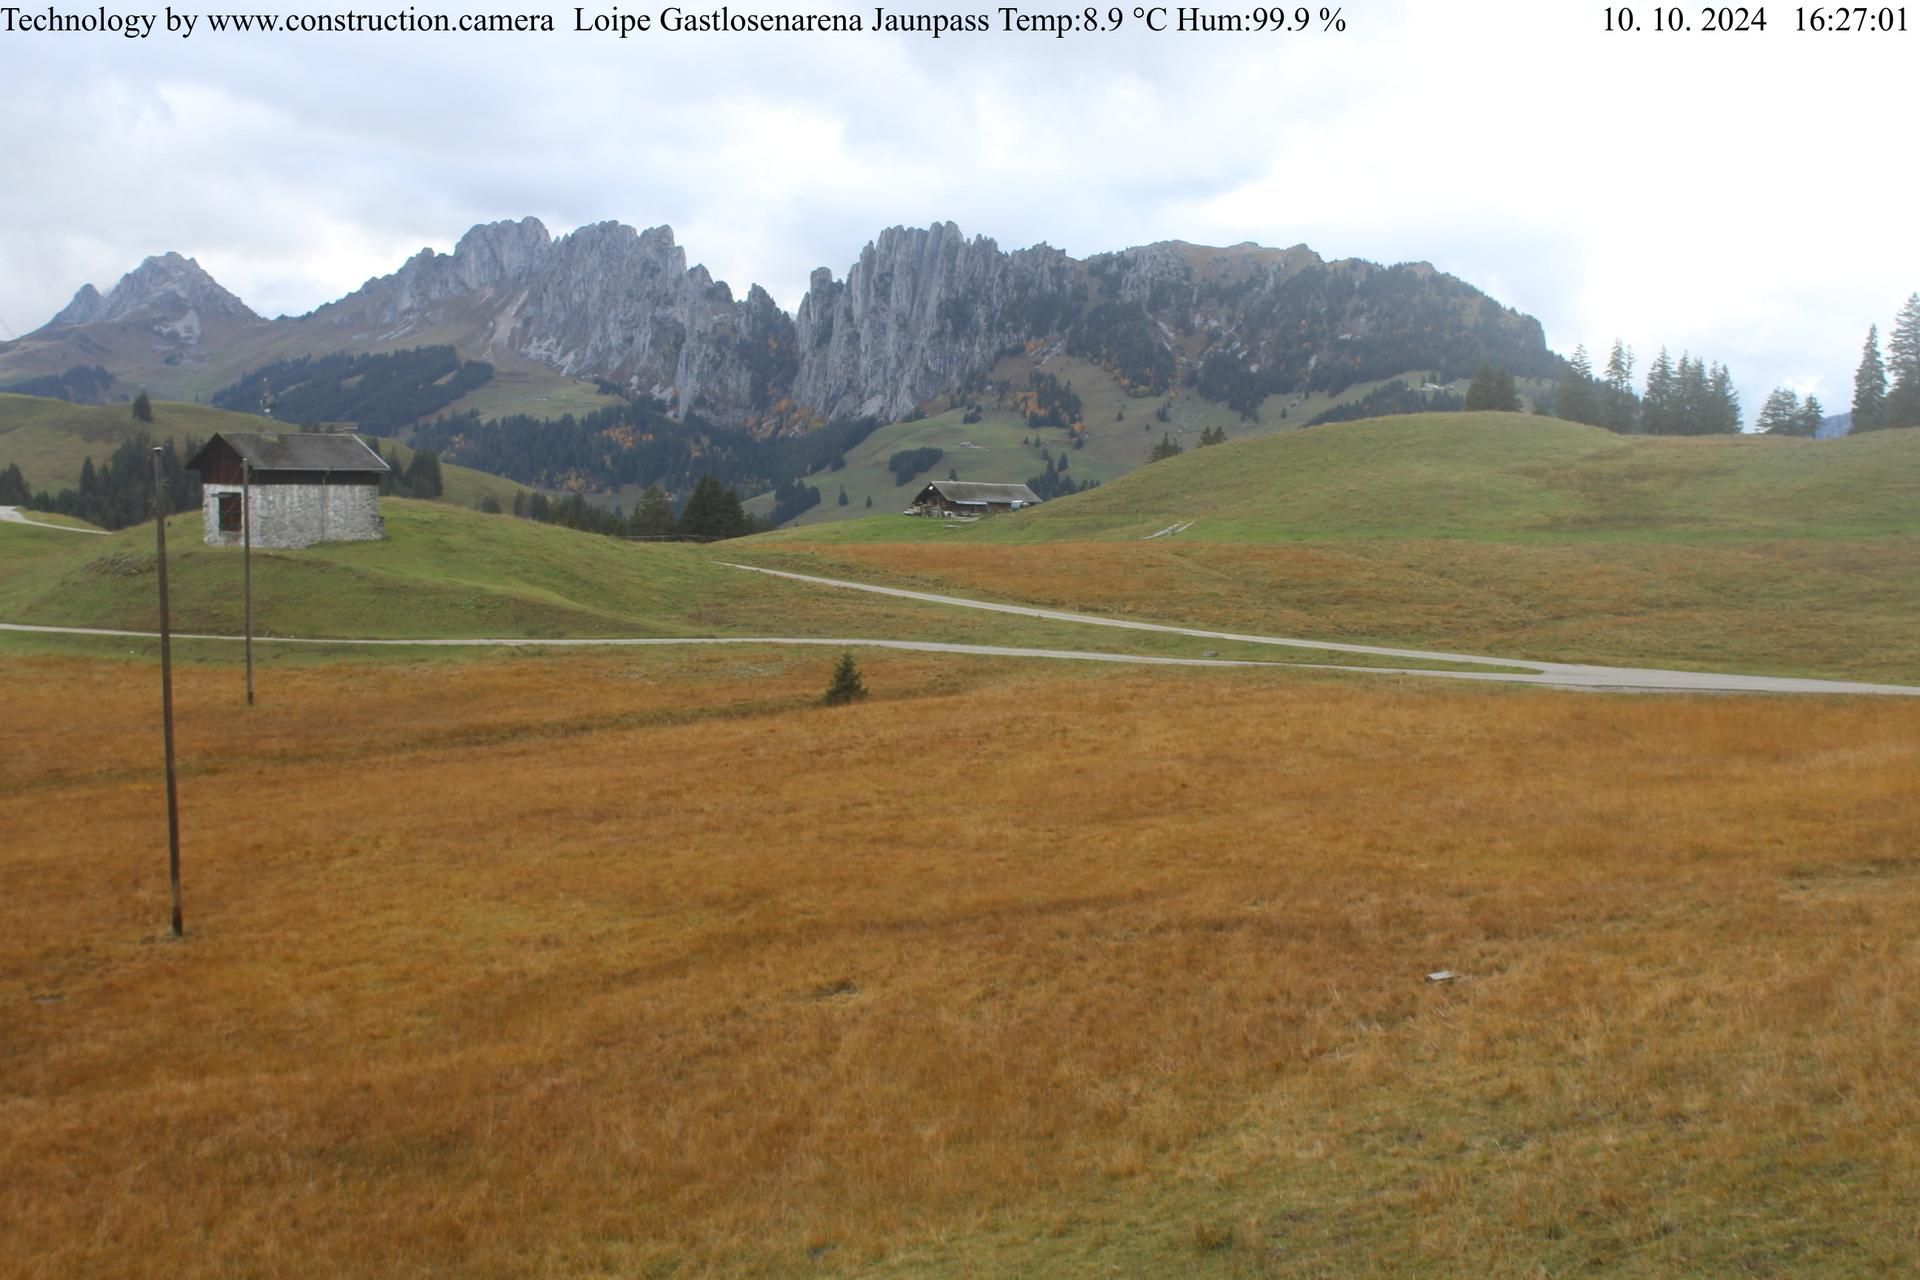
column 922, row 313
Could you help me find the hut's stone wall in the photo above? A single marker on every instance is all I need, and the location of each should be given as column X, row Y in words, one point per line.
column 299, row 515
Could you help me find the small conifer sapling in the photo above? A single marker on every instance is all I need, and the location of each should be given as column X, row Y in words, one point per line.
column 846, row 686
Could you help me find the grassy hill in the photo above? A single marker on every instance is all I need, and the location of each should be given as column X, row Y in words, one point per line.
column 49, row 439
column 1489, row 533
column 1486, row 476
column 445, row 571
column 1121, row 432
column 442, row 571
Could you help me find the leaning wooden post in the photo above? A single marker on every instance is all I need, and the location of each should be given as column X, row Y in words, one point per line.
column 166, row 688
column 246, row 526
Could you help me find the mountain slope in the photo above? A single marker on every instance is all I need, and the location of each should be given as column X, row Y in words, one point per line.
column 921, row 314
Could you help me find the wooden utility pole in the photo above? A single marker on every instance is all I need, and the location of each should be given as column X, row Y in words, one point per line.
column 166, row 688
column 246, row 527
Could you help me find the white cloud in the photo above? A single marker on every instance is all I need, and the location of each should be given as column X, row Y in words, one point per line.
column 1730, row 195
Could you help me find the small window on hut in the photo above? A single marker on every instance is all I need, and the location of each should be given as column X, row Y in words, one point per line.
column 229, row 513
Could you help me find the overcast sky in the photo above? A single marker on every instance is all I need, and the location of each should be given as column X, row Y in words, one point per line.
column 1744, row 196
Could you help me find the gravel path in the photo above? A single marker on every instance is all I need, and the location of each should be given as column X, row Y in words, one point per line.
column 1561, row 674
column 12, row 515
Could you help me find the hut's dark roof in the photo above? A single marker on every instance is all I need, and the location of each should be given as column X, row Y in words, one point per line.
column 972, row 491
column 294, row 451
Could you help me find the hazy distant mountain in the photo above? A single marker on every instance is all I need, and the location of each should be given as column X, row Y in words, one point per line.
column 921, row 314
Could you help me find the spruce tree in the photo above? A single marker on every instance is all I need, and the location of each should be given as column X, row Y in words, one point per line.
column 713, row 511
column 142, row 408
column 1725, row 413
column 1492, row 390
column 1903, row 367
column 1575, row 399
column 652, row 515
column 1617, row 412
column 846, row 685
column 1691, row 413
column 1780, row 415
column 1870, row 386
column 1811, row 418
column 423, row 474
column 1659, row 408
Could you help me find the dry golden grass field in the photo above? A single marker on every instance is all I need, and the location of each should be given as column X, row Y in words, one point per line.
column 1835, row 608
column 647, row 965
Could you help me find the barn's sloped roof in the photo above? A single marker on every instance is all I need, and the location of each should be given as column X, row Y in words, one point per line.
column 976, row 491
column 295, row 451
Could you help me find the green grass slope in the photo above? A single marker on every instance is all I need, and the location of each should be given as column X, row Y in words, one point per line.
column 442, row 571
column 445, row 572
column 50, row 439
column 1482, row 476
column 1122, row 431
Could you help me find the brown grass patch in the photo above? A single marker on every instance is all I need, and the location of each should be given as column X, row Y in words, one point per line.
column 643, row 963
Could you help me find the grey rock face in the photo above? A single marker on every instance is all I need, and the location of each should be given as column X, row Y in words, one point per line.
column 606, row 301
column 918, row 312
column 165, row 288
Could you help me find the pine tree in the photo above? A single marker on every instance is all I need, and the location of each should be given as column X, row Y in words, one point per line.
column 1659, row 408
column 1780, row 415
column 1903, row 367
column 1811, row 418
column 1725, row 413
column 142, row 408
column 423, row 474
column 1167, row 448
column 652, row 515
column 1691, row 412
column 1492, row 390
column 846, row 686
column 1575, row 399
column 713, row 511
column 1870, row 386
column 843, row 496
column 1617, row 410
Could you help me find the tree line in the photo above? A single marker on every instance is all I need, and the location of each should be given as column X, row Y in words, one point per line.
column 1396, row 397
column 1886, row 393
column 712, row 512
column 635, row 444
column 381, row 393
column 82, row 384
column 119, row 492
column 1684, row 398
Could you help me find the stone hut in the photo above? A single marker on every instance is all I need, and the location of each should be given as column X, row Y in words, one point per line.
column 307, row 487
column 971, row 498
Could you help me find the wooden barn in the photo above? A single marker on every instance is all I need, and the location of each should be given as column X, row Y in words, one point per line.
column 970, row 498
column 306, row 487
